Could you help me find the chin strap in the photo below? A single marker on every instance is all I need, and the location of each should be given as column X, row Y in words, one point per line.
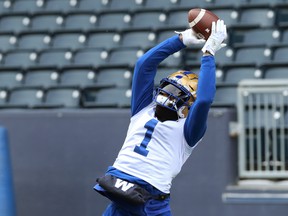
column 180, row 112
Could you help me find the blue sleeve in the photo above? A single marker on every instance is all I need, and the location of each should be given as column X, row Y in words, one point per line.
column 195, row 124
column 145, row 71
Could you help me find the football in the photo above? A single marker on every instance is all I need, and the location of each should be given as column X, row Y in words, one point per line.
column 200, row 20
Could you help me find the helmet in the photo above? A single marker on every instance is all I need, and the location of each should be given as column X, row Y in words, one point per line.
column 177, row 92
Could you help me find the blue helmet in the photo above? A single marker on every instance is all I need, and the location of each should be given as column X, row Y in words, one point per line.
column 177, row 92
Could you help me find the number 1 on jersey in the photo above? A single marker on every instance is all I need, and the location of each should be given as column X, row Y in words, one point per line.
column 150, row 125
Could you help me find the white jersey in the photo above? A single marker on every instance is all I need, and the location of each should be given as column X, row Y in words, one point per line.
column 153, row 151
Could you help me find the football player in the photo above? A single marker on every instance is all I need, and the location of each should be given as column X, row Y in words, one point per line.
column 165, row 126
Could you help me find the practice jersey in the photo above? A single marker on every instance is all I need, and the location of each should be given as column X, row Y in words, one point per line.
column 153, row 151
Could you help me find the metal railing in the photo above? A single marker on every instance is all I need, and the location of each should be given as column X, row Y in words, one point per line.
column 262, row 109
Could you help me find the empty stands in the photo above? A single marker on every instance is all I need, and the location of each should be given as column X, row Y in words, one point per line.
column 84, row 44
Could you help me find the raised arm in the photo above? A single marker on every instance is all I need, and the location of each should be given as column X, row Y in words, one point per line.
column 195, row 124
column 145, row 71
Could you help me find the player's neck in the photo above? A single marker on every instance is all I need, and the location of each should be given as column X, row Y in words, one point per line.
column 164, row 114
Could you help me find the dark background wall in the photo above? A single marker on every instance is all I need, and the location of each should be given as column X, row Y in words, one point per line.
column 57, row 155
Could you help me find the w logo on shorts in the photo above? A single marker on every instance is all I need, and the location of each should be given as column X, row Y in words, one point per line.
column 129, row 192
column 123, row 185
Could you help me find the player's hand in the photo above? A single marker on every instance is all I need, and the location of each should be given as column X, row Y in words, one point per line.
column 218, row 35
column 189, row 37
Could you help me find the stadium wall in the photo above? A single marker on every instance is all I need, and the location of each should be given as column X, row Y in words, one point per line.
column 57, row 155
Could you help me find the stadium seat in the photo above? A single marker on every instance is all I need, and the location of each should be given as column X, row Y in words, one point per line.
column 114, row 77
column 90, row 57
column 177, row 19
column 225, row 3
column 25, row 98
column 192, row 56
column 235, row 75
column 77, row 78
column 124, row 4
column 55, row 58
column 60, row 6
column 81, row 22
column 152, row 20
column 104, row 40
column 5, row 7
column 174, row 60
column 280, row 55
column 229, row 15
column 225, row 56
column 41, row 78
column 163, row 35
column 276, row 73
column 255, row 37
column 10, row 79
column 37, row 41
column 141, row 39
column 253, row 56
column 219, row 76
column 47, row 22
column 262, row 17
column 27, row 6
column 92, row 5
column 71, row 40
column 20, row 58
column 114, row 21
column 107, row 97
column 126, row 57
column 270, row 3
column 14, row 23
column 282, row 17
column 7, row 42
column 196, row 3
column 160, row 4
column 62, row 98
